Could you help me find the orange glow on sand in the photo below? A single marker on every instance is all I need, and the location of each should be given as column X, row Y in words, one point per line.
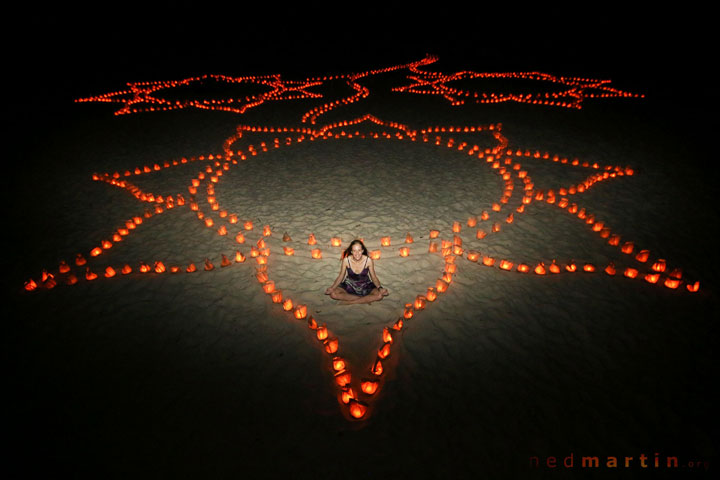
column 501, row 160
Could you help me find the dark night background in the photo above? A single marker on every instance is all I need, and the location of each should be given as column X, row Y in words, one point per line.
column 61, row 53
column 64, row 51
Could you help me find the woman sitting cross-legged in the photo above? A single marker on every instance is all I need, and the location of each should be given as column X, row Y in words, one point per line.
column 357, row 281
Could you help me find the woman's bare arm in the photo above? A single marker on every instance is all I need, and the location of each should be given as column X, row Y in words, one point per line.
column 373, row 276
column 340, row 278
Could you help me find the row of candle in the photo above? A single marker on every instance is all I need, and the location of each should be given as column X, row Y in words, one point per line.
column 142, row 96
column 573, row 91
column 359, row 409
column 498, row 156
column 361, row 91
column 609, row 172
column 673, row 280
column 659, row 266
column 210, row 177
column 355, row 394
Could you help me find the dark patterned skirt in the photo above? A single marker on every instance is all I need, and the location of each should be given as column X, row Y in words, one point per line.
column 355, row 284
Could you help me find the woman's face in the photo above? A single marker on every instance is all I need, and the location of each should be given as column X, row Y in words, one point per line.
column 357, row 251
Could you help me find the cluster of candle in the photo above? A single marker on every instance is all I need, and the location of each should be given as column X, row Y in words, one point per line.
column 353, row 393
column 142, row 97
column 570, row 92
column 658, row 273
column 145, row 96
column 361, row 91
column 356, row 394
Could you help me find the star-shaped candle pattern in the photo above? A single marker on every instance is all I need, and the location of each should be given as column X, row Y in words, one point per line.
column 568, row 92
column 458, row 242
column 152, row 96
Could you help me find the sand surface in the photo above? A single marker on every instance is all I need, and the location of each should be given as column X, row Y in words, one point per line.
column 201, row 375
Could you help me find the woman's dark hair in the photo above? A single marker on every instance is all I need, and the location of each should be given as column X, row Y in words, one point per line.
column 348, row 250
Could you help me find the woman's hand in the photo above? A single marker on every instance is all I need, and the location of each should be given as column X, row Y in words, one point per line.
column 328, row 290
column 384, row 291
